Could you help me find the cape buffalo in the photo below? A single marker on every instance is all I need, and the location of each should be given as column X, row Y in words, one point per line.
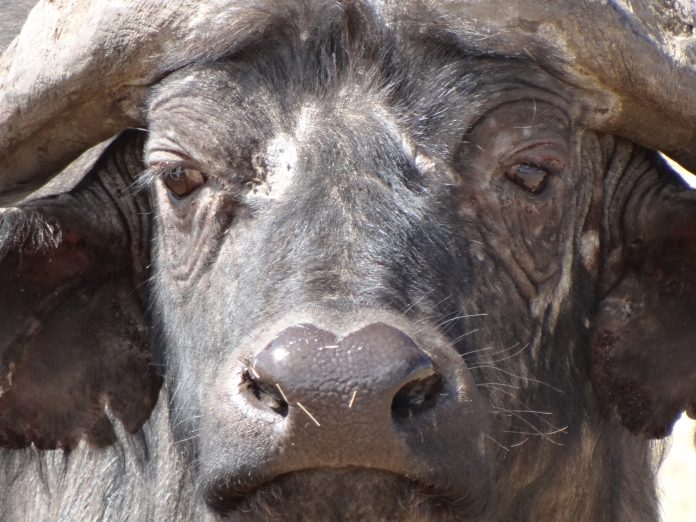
column 344, row 259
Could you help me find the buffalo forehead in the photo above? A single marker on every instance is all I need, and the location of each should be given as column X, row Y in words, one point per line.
column 223, row 114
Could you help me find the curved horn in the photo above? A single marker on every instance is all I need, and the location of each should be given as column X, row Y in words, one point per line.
column 79, row 70
column 640, row 52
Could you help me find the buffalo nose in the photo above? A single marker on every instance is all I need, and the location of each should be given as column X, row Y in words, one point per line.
column 336, row 392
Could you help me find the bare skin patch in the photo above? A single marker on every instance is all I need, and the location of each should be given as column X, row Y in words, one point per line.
column 275, row 168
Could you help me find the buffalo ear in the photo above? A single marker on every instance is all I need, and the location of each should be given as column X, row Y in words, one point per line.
column 644, row 345
column 74, row 341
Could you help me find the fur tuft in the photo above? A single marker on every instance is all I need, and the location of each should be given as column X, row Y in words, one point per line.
column 27, row 231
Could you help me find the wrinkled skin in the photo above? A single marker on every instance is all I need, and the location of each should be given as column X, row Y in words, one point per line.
column 335, row 189
column 383, row 173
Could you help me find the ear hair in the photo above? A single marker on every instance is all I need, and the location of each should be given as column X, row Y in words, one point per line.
column 27, row 231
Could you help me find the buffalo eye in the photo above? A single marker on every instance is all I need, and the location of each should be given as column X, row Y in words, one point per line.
column 181, row 181
column 530, row 177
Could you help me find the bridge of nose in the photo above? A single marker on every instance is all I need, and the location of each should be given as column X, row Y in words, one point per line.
column 342, row 381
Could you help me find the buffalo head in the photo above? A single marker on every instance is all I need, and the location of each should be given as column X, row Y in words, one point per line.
column 391, row 260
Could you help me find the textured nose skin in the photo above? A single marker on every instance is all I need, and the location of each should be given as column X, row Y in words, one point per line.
column 372, row 399
column 345, row 399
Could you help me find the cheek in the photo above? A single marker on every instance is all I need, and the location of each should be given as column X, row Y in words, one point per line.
column 190, row 232
column 536, row 229
column 525, row 241
column 195, row 339
column 524, row 231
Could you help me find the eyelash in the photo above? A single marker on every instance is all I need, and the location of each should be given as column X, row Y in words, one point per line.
column 154, row 173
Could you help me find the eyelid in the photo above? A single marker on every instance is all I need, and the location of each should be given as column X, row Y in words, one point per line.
column 155, row 157
column 526, row 146
column 158, row 171
column 159, row 165
column 548, row 155
column 163, row 168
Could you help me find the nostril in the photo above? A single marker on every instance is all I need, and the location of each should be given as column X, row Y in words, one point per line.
column 315, row 368
column 418, row 394
column 269, row 396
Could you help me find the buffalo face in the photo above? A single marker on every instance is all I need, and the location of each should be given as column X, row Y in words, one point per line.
column 374, row 266
column 383, row 271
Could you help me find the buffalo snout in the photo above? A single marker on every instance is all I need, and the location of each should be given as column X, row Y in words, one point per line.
column 374, row 398
column 367, row 386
